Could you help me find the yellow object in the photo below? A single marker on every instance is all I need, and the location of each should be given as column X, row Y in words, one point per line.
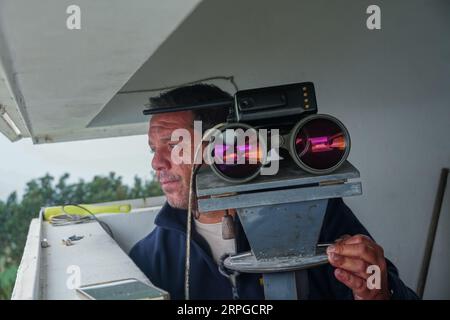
column 83, row 210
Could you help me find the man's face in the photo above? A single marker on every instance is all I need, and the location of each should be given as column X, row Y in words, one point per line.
column 173, row 178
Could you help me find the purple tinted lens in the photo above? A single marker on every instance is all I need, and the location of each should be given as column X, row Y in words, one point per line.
column 240, row 161
column 238, row 171
column 321, row 144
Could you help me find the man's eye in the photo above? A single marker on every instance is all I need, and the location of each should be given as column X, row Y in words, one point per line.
column 173, row 145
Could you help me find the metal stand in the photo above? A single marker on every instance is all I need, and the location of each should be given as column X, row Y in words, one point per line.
column 282, row 217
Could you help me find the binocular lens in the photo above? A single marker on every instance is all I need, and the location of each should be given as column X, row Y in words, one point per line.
column 321, row 144
column 237, row 156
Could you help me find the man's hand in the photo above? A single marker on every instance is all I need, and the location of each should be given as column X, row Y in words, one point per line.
column 351, row 256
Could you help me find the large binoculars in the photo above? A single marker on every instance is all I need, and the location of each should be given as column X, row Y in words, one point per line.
column 318, row 144
column 237, row 152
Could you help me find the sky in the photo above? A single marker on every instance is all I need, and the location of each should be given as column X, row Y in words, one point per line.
column 22, row 161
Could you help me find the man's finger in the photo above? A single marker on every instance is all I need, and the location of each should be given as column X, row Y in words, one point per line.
column 356, row 266
column 355, row 283
column 358, row 238
column 362, row 251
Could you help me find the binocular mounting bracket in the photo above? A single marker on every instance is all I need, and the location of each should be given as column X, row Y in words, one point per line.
column 282, row 218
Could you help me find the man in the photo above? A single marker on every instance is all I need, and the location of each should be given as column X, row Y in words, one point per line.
column 161, row 255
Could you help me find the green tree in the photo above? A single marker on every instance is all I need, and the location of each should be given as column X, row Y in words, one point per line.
column 15, row 214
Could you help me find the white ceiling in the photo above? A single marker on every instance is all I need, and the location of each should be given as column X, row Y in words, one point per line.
column 65, row 77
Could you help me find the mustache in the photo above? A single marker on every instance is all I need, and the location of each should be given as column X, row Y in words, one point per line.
column 164, row 176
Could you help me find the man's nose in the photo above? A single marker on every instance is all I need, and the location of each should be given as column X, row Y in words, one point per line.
column 161, row 161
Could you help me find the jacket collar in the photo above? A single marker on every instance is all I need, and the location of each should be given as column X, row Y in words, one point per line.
column 172, row 218
column 176, row 219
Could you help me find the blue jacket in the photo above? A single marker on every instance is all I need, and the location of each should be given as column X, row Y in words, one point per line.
column 161, row 256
